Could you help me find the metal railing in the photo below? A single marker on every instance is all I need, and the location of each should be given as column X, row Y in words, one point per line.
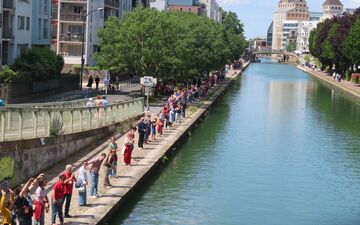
column 112, row 3
column 74, row 37
column 18, row 123
column 8, row 33
column 78, row 17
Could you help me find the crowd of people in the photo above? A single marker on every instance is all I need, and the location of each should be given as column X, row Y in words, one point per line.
column 28, row 203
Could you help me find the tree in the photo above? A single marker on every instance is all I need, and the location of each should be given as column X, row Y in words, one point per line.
column 352, row 44
column 38, row 64
column 173, row 46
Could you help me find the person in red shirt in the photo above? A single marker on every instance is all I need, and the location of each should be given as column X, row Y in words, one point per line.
column 57, row 200
column 69, row 184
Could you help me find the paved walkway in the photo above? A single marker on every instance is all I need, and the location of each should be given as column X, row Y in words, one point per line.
column 142, row 161
column 345, row 85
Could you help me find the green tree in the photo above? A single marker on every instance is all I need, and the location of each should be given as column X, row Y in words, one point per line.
column 352, row 44
column 173, row 46
column 38, row 64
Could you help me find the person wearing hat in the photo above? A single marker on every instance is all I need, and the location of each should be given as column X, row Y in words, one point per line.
column 90, row 103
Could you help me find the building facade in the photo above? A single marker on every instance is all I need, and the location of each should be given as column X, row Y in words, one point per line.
column 304, row 30
column 41, row 20
column 69, row 23
column 289, row 35
column 287, row 10
column 16, row 29
column 315, row 16
column 332, row 8
column 212, row 10
column 269, row 36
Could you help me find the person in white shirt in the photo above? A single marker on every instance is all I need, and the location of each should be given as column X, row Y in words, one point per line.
column 90, row 103
column 81, row 183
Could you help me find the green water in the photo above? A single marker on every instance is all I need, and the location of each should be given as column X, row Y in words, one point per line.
column 279, row 149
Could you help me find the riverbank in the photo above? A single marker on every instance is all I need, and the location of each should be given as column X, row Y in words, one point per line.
column 347, row 86
column 144, row 161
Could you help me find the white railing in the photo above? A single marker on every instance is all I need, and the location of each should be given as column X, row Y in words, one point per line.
column 18, row 123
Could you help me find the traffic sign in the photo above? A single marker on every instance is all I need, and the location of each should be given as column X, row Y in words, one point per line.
column 148, row 81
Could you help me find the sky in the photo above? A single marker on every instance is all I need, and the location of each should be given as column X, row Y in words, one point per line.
column 256, row 15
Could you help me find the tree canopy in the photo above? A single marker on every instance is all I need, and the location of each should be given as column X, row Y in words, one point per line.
column 169, row 45
column 333, row 42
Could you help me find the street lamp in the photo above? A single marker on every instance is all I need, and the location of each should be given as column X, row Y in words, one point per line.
column 83, row 42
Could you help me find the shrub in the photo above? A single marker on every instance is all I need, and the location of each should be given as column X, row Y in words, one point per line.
column 56, row 127
column 38, row 64
column 7, row 75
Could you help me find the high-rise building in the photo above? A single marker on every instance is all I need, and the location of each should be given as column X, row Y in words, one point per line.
column 287, row 10
column 212, row 10
column 69, row 22
column 332, row 8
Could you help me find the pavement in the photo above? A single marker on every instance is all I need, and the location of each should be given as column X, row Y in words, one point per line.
column 348, row 86
column 142, row 161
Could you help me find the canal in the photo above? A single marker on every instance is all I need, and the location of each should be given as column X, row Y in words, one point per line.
column 280, row 148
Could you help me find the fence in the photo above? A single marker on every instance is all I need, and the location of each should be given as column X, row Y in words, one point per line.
column 18, row 123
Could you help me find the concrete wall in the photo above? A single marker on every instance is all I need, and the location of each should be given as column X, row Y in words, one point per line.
column 20, row 160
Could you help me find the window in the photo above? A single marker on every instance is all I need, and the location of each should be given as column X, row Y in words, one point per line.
column 78, row 9
column 46, row 7
column 21, row 23
column 27, row 23
column 45, row 29
column 39, row 29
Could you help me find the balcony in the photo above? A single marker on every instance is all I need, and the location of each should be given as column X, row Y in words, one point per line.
column 74, row 1
column 112, row 3
column 71, row 37
column 8, row 33
column 73, row 17
column 8, row 4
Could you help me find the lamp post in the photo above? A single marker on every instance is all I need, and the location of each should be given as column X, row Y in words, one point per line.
column 83, row 42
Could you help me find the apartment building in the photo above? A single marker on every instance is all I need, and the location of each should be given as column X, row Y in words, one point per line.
column 40, row 22
column 23, row 24
column 69, row 22
column 212, row 10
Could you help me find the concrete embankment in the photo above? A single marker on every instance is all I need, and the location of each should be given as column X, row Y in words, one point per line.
column 345, row 86
column 144, row 162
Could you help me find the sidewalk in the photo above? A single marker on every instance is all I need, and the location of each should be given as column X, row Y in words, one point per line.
column 345, row 85
column 142, row 161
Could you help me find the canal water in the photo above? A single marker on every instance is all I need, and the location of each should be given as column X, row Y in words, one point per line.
column 279, row 149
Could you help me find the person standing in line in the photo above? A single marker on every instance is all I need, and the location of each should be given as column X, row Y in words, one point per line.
column 57, row 200
column 153, row 129
column 94, row 175
column 23, row 203
column 108, row 169
column 97, row 81
column 41, row 203
column 82, row 182
column 141, row 130
column 69, row 184
column 6, row 207
column 113, row 146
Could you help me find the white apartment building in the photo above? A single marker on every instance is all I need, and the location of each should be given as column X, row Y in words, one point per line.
column 160, row 5
column 69, row 22
column 16, row 29
column 23, row 24
column 304, row 30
